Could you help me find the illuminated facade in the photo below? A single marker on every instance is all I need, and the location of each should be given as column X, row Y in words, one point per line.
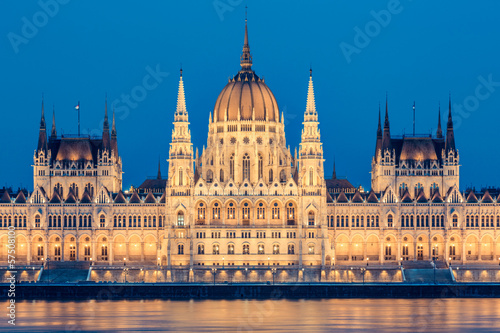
column 246, row 199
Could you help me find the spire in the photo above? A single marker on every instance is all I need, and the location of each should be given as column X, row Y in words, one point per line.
column 114, row 138
column 439, row 132
column 246, row 57
column 105, row 127
column 181, row 101
column 378, row 144
column 42, row 135
column 113, row 127
column 53, row 133
column 334, row 175
column 386, row 141
column 159, row 170
column 450, row 136
column 310, row 113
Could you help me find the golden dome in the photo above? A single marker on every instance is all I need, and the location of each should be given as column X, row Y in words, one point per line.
column 246, row 96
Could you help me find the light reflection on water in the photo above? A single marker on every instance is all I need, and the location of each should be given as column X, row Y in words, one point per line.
column 342, row 315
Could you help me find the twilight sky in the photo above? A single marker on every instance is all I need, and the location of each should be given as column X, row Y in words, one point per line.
column 414, row 50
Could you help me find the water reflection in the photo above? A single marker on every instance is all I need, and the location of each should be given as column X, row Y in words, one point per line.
column 341, row 315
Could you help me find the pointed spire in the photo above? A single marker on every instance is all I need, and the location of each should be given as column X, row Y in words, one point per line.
column 246, row 57
column 159, row 170
column 42, row 135
column 105, row 127
column 181, row 100
column 450, row 136
column 386, row 141
column 113, row 127
column 378, row 144
column 114, row 137
column 334, row 175
column 439, row 132
column 311, row 103
column 53, row 133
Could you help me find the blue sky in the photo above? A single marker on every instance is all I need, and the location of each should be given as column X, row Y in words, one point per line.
column 81, row 50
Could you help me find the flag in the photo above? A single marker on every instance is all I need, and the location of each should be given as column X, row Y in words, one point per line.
column 78, row 106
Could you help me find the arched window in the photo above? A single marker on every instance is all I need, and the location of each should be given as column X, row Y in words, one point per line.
column 245, row 211
column 231, row 211
column 282, row 176
column 310, row 218
column 201, row 249
column 418, row 186
column 260, row 249
column 455, row 221
column 261, row 211
column 246, row 167
column 311, row 249
column 290, row 213
column 37, row 221
column 230, row 249
column 59, row 189
column 210, row 176
column 215, row 249
column 231, row 167
column 291, row 249
column 276, row 211
column 246, row 249
column 180, row 219
column 216, row 211
column 90, row 189
column 180, row 249
column 276, row 249
column 221, row 177
column 74, row 187
column 181, row 177
column 389, row 221
column 261, row 167
column 201, row 211
column 270, row 175
column 311, row 177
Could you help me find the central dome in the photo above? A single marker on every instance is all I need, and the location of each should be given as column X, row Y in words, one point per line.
column 246, row 96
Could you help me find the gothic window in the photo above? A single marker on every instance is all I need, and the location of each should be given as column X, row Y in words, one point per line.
column 246, row 211
column 270, row 175
column 215, row 249
column 291, row 249
column 310, row 218
column 261, row 211
column 216, row 211
column 74, row 187
column 180, row 249
column 276, row 249
column 311, row 249
column 180, row 219
column 260, row 249
column 230, row 249
column 290, row 211
column 402, row 188
column 231, row 211
column 276, row 211
column 246, row 249
column 37, row 221
column 221, row 177
column 201, row 211
column 59, row 189
column 90, row 189
column 210, row 176
column 181, row 177
column 246, row 167
column 417, row 188
column 455, row 221
column 282, row 176
column 231, row 167
column 389, row 221
column 201, row 249
column 311, row 177
column 434, row 188
column 261, row 167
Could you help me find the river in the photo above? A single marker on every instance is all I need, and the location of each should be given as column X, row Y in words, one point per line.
column 328, row 315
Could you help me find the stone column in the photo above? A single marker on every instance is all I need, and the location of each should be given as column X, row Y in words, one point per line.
column 28, row 255
column 415, row 249
column 365, row 252
column 62, row 247
column 46, row 252
column 381, row 258
column 93, row 253
column 464, row 257
column 479, row 249
column 127, row 252
column 77, row 250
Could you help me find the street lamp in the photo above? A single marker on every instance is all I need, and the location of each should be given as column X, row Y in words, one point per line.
column 274, row 273
column 363, row 271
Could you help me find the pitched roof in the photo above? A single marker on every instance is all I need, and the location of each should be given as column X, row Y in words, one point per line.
column 357, row 197
column 342, row 198
column 55, row 198
column 437, row 198
column 472, row 197
column 406, row 198
column 372, row 197
column 5, row 197
column 86, row 197
column 487, row 197
column 163, row 198
column 135, row 198
column 153, row 184
column 20, row 197
column 150, row 198
column 421, row 196
column 120, row 198
column 71, row 197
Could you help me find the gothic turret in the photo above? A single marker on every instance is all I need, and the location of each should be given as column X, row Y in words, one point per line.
column 105, row 129
column 378, row 145
column 42, row 136
column 439, row 132
column 114, row 138
column 386, row 140
column 246, row 57
column 53, row 133
column 450, row 136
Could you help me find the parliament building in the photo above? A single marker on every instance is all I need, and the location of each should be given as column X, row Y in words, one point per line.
column 246, row 199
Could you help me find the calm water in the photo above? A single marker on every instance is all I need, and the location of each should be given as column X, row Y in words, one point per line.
column 341, row 315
